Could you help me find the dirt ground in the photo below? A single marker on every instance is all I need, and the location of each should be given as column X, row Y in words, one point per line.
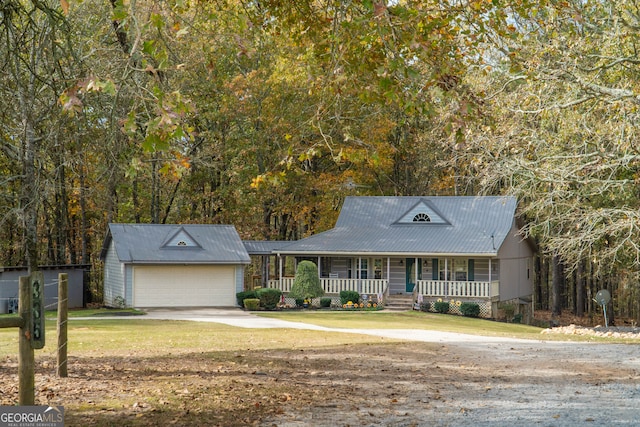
column 389, row 384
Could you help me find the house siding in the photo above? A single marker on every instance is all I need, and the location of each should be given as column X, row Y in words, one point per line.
column 239, row 278
column 113, row 277
column 481, row 270
column 516, row 267
column 128, row 284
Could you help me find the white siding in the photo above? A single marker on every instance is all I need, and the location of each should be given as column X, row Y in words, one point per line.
column 113, row 277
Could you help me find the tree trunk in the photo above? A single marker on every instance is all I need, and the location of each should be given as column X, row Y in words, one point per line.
column 29, row 197
column 544, row 283
column 556, row 289
column 580, row 288
column 83, row 216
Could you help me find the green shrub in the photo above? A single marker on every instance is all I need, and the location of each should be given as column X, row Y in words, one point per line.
column 299, row 302
column 346, row 296
column 425, row 306
column 470, row 309
column 306, row 283
column 517, row 318
column 241, row 296
column 325, row 302
column 508, row 309
column 269, row 297
column 441, row 306
column 252, row 303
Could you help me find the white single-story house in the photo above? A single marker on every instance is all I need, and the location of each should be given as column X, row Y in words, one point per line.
column 168, row 265
column 453, row 248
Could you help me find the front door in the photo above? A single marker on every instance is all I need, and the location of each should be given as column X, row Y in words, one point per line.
column 410, row 274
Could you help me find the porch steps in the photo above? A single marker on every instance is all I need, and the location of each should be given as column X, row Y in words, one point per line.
column 399, row 302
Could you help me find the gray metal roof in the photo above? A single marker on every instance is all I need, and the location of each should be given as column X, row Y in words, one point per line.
column 263, row 247
column 177, row 244
column 385, row 225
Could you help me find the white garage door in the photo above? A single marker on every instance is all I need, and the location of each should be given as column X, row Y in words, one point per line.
column 184, row 286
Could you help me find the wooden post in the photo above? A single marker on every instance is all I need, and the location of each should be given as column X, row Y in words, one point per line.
column 26, row 388
column 61, row 369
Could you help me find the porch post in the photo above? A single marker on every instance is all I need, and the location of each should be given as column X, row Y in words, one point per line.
column 359, row 274
column 280, row 270
column 319, row 267
column 446, row 277
column 388, row 272
column 489, row 271
column 417, row 269
column 268, row 268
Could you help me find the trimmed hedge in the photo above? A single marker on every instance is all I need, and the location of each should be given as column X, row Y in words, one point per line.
column 346, row 296
column 252, row 303
column 269, row 297
column 441, row 306
column 241, row 296
column 470, row 309
column 325, row 302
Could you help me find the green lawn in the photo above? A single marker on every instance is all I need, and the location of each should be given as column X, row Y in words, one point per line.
column 135, row 336
column 407, row 320
column 428, row 321
column 96, row 312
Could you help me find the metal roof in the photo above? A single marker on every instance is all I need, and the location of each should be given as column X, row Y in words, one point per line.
column 462, row 225
column 263, row 247
column 177, row 244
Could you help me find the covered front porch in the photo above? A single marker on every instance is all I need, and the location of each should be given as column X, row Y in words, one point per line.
column 431, row 277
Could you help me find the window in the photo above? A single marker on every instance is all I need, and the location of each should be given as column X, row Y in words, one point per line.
column 460, row 269
column 377, row 268
column 445, row 269
column 364, row 268
column 421, row 217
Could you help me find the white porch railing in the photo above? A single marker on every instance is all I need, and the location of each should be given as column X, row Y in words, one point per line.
column 335, row 285
column 449, row 288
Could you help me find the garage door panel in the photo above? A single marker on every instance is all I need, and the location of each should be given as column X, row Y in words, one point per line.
column 184, row 286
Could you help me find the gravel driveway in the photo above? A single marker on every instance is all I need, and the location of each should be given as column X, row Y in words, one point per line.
column 491, row 381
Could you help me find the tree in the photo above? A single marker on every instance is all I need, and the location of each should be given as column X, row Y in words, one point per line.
column 561, row 99
column 306, row 284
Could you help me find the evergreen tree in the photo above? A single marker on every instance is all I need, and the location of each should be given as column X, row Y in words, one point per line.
column 306, row 283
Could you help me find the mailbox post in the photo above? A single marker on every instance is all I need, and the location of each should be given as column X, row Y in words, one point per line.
column 37, row 309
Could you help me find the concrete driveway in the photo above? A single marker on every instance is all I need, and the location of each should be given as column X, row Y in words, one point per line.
column 244, row 319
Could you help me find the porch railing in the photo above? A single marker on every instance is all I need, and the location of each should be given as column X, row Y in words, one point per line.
column 335, row 285
column 449, row 288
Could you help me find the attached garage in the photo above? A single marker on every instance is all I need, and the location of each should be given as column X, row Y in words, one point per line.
column 153, row 265
column 198, row 285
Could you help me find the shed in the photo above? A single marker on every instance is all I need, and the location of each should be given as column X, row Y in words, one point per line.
column 77, row 285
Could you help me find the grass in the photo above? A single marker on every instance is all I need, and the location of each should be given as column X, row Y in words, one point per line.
column 131, row 335
column 429, row 321
column 144, row 372
column 408, row 320
column 137, row 336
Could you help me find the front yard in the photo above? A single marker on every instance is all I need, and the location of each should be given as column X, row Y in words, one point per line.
column 135, row 372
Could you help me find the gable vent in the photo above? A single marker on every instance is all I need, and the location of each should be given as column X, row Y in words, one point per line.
column 181, row 239
column 422, row 213
column 422, row 217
